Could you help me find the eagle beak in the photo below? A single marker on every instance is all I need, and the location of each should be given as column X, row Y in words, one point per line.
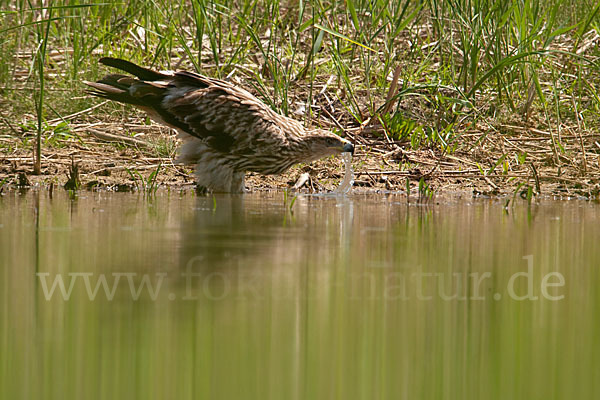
column 348, row 148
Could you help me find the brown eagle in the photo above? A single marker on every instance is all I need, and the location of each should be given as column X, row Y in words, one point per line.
column 226, row 131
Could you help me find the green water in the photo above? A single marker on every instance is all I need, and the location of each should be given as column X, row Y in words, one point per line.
column 345, row 298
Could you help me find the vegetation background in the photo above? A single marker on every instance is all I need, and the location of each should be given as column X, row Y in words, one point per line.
column 492, row 96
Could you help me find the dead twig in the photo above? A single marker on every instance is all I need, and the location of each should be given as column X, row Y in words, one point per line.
column 392, row 92
column 116, row 138
column 70, row 116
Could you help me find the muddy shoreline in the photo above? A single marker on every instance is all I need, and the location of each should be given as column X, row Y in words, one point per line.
column 104, row 162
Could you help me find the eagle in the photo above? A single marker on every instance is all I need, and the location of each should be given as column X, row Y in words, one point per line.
column 226, row 131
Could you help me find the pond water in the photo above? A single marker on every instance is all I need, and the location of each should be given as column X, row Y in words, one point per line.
column 107, row 296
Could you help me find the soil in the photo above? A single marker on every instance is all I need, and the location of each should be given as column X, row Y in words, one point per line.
column 484, row 165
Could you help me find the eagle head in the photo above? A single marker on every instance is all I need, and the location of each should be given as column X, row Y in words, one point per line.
column 321, row 143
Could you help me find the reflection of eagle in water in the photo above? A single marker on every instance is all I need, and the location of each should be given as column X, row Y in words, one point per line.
column 226, row 130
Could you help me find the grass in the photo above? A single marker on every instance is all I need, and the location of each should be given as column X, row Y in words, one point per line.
column 288, row 203
column 148, row 186
column 421, row 74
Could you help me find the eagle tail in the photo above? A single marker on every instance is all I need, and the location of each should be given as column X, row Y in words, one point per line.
column 163, row 96
column 142, row 73
column 126, row 89
column 113, row 87
column 148, row 89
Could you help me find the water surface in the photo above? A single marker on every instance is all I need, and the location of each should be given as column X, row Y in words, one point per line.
column 355, row 297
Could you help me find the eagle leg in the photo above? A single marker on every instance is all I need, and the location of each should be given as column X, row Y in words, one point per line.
column 219, row 177
column 213, row 169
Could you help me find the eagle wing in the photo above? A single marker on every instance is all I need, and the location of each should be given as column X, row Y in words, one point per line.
column 227, row 118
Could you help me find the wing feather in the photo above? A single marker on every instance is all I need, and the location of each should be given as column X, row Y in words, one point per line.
column 229, row 119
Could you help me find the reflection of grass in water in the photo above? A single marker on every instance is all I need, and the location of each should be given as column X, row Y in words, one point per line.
column 329, row 301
